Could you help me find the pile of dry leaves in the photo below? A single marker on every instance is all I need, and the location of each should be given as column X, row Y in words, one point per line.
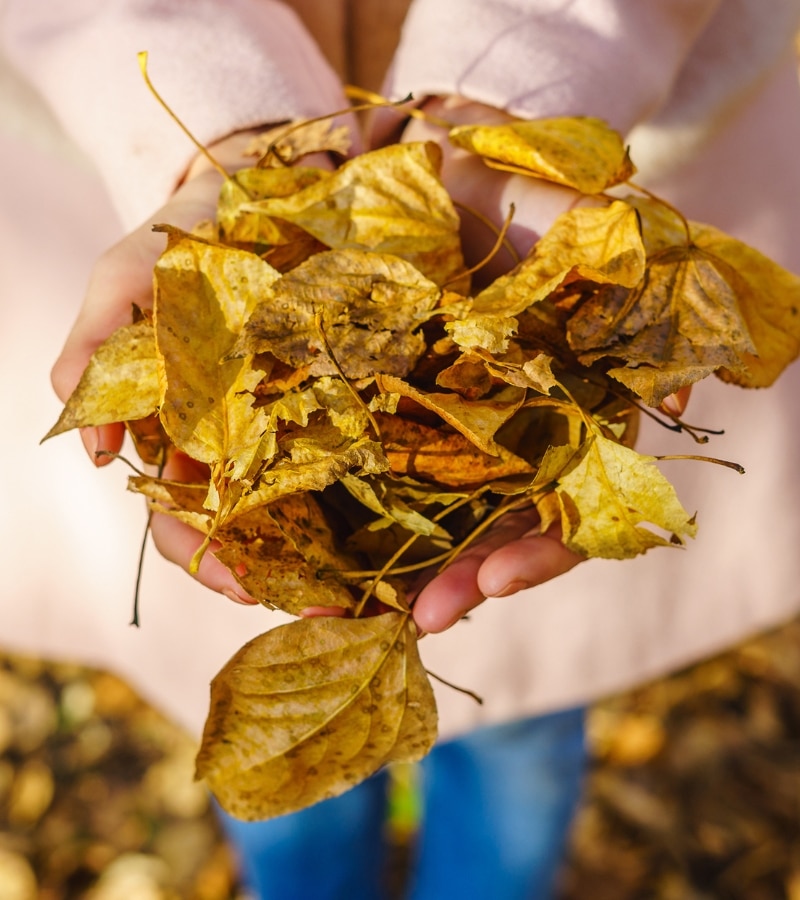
column 356, row 412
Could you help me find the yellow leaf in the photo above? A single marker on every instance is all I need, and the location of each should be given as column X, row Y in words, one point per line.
column 119, row 384
column 579, row 152
column 768, row 297
column 381, row 498
column 316, row 458
column 204, row 295
column 602, row 245
column 389, row 200
column 310, row 709
column 240, row 226
column 607, row 495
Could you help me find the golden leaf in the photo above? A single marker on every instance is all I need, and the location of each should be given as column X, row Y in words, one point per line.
column 609, row 491
column 310, row 709
column 389, row 200
column 579, row 152
column 768, row 297
column 238, row 225
column 602, row 245
column 380, row 497
column 317, row 457
column 119, row 384
column 204, row 295
column 366, row 306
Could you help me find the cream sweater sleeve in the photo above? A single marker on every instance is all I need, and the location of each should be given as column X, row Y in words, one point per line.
column 616, row 59
column 222, row 66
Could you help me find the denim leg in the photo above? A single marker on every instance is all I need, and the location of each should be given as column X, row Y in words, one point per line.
column 331, row 851
column 497, row 806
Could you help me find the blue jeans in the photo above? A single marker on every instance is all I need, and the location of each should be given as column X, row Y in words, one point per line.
column 497, row 805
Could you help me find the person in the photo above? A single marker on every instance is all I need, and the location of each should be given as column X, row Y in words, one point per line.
column 706, row 95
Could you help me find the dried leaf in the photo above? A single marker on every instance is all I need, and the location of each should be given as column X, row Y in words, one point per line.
column 446, row 458
column 366, row 306
column 683, row 320
column 608, row 493
column 239, row 226
column 204, row 295
column 278, row 553
column 600, row 245
column 285, row 144
column 313, row 460
column 477, row 420
column 391, row 201
column 580, row 152
column 119, row 384
column 306, row 711
column 768, row 298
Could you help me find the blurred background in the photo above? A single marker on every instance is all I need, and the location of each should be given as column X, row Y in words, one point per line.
column 693, row 793
column 694, row 790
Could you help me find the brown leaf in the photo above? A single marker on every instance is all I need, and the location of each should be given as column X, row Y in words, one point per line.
column 285, row 555
column 310, row 709
column 367, row 306
column 447, row 458
column 477, row 420
column 285, row 144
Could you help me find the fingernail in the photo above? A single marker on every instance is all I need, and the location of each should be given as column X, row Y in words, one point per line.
column 671, row 406
column 231, row 594
column 91, row 439
column 512, row 587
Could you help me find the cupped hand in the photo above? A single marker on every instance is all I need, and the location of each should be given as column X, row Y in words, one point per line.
column 121, row 277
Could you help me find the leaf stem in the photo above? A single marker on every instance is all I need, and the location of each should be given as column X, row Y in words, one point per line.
column 335, row 363
column 461, row 690
column 737, row 467
column 142, row 58
column 499, row 242
column 656, row 199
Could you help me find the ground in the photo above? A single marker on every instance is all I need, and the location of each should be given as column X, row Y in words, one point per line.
column 694, row 792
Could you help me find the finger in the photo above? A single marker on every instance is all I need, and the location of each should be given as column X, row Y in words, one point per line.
column 524, row 563
column 177, row 542
column 455, row 591
column 123, row 276
column 676, row 403
column 101, row 441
